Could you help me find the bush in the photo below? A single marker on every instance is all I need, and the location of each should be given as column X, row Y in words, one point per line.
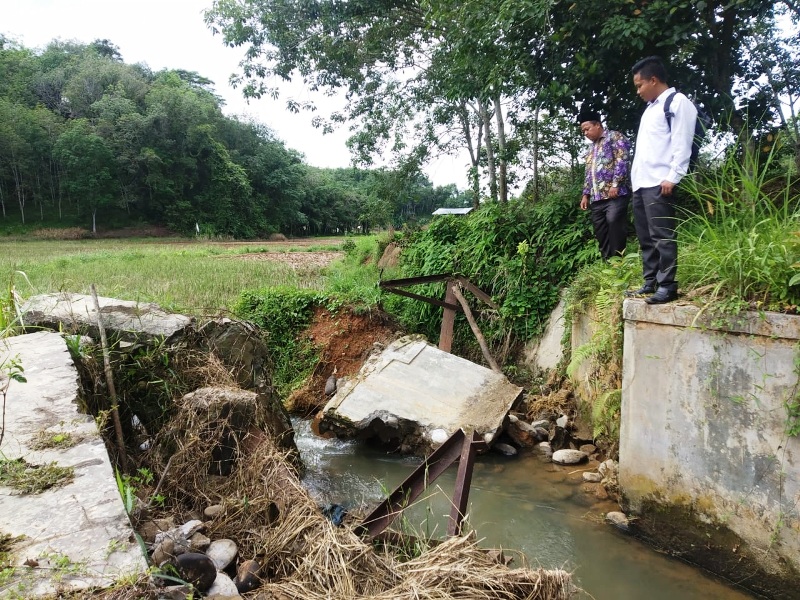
column 283, row 313
column 519, row 253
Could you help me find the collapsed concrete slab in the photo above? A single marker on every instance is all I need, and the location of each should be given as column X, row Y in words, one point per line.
column 132, row 321
column 413, row 396
column 75, row 534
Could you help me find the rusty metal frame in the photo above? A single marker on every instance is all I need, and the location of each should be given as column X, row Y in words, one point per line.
column 450, row 304
column 457, row 446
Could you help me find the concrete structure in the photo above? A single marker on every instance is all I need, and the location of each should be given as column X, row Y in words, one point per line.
column 132, row 321
column 415, row 396
column 546, row 352
column 71, row 537
column 704, row 444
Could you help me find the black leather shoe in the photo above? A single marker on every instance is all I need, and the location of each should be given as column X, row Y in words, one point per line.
column 645, row 289
column 662, row 296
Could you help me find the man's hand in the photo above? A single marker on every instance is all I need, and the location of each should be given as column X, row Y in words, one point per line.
column 666, row 188
column 613, row 192
column 584, row 202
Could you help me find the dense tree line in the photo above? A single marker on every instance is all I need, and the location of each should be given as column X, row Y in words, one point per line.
column 504, row 79
column 87, row 139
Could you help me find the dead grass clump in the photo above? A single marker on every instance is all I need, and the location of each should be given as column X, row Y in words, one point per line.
column 273, row 519
column 68, row 233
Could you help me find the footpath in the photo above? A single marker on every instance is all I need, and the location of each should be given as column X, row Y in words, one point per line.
column 75, row 534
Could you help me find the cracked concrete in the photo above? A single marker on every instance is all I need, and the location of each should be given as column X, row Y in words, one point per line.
column 75, row 536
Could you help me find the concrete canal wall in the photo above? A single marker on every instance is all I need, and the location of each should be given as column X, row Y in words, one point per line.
column 708, row 464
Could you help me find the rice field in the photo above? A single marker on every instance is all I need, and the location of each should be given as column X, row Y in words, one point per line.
column 194, row 277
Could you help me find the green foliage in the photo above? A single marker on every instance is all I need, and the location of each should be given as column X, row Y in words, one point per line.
column 283, row 313
column 742, row 247
column 30, row 478
column 598, row 291
column 520, row 253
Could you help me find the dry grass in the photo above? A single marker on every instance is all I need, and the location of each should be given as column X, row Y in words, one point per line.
column 273, row 519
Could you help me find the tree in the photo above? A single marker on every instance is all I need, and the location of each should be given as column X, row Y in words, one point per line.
column 88, row 165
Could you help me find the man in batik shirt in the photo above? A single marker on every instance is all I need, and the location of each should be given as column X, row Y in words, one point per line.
column 607, row 188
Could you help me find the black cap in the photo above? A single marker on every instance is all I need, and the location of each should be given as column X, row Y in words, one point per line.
column 588, row 114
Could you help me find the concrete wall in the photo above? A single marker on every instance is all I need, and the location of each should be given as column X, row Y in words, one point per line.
column 703, row 427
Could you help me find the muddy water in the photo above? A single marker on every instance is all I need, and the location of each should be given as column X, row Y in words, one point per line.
column 522, row 504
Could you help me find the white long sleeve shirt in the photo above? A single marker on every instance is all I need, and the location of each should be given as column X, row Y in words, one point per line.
column 662, row 154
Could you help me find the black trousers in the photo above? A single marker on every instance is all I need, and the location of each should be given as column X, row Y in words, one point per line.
column 654, row 220
column 610, row 223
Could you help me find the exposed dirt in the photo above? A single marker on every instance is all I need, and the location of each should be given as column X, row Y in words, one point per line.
column 294, row 259
column 344, row 341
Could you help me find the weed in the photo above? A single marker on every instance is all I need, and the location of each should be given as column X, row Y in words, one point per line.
column 741, row 246
column 45, row 440
column 33, row 479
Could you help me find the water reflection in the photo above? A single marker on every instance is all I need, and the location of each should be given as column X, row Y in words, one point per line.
column 519, row 504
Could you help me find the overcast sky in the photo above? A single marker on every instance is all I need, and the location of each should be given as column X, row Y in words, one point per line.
column 171, row 34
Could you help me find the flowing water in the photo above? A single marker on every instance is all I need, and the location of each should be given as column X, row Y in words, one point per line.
column 522, row 504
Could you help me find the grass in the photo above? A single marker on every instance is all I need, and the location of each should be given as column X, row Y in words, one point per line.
column 742, row 246
column 190, row 277
column 33, row 479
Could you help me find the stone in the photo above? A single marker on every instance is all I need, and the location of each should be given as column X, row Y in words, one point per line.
column 618, row 520
column 176, row 592
column 197, row 569
column 560, row 439
column 521, row 432
column 569, row 457
column 148, row 531
column 544, row 448
column 505, row 449
column 248, row 576
column 163, row 552
column 223, row 586
column 198, row 542
column 592, row 477
column 439, row 436
column 248, row 418
column 543, row 423
column 240, row 347
column 189, row 528
column 562, row 421
column 608, row 468
column 589, row 449
column 541, row 434
column 213, row 511
column 222, row 552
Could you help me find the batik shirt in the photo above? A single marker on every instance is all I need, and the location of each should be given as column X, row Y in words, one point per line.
column 607, row 166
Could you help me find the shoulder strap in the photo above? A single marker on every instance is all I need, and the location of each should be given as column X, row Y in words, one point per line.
column 668, row 114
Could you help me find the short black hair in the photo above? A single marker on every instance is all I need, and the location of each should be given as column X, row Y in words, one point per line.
column 652, row 66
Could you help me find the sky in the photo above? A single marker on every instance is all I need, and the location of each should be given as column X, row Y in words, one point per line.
column 171, row 34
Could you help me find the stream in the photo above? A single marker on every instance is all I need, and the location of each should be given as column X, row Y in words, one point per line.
column 518, row 504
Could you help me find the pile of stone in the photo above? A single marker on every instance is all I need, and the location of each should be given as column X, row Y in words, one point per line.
column 187, row 553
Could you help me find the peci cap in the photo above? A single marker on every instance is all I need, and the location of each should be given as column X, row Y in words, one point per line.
column 588, row 114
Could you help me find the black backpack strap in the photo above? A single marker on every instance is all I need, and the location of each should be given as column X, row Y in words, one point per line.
column 668, row 114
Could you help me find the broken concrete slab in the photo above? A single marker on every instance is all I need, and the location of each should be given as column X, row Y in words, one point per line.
column 131, row 321
column 414, row 396
column 78, row 535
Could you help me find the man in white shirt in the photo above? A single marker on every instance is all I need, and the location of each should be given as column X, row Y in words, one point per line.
column 660, row 161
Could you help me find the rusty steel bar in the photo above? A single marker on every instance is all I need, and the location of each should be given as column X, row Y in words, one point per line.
column 427, row 299
column 463, row 482
column 448, row 320
column 413, row 280
column 408, row 491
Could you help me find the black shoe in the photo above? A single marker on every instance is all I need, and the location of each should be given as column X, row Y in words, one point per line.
column 662, row 296
column 645, row 289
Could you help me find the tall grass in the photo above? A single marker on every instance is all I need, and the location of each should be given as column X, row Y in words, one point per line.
column 742, row 247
